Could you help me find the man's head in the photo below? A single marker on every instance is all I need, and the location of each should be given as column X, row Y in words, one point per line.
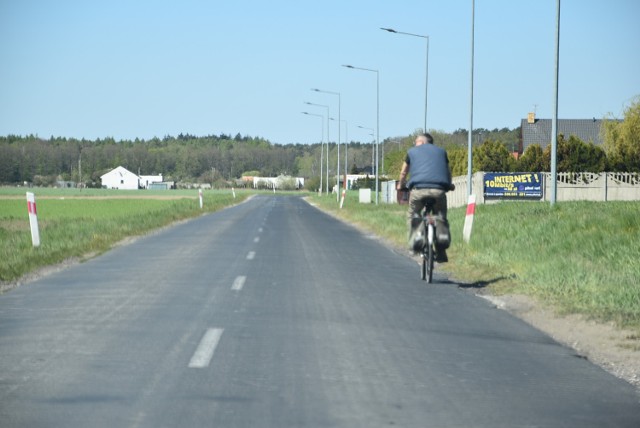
column 424, row 139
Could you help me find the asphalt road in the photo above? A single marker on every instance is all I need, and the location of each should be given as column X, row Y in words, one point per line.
column 273, row 314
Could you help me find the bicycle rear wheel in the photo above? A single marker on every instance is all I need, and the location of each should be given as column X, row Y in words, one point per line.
column 428, row 264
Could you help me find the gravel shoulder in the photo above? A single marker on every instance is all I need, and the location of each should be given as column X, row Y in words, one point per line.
column 615, row 350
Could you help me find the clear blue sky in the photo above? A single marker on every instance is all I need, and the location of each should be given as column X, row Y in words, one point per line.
column 127, row 69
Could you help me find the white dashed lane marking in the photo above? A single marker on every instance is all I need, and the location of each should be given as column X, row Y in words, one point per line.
column 238, row 283
column 251, row 255
column 202, row 357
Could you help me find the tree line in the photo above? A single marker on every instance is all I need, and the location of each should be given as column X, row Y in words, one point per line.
column 494, row 152
column 221, row 159
column 215, row 159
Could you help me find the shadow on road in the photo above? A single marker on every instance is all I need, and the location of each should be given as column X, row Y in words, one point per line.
column 482, row 284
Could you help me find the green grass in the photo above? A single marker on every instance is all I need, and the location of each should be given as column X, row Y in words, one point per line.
column 579, row 257
column 78, row 224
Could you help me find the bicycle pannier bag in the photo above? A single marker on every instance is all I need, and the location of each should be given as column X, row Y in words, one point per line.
column 418, row 236
column 443, row 236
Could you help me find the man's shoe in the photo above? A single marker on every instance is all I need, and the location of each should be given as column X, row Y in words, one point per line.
column 441, row 257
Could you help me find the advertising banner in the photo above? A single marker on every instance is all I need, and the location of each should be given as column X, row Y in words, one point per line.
column 513, row 185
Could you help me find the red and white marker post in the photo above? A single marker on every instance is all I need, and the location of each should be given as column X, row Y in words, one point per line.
column 468, row 220
column 33, row 219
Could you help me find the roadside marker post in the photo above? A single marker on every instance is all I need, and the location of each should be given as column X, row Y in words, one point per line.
column 468, row 220
column 200, row 197
column 33, row 219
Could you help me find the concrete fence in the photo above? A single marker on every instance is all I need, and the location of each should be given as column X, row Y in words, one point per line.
column 582, row 186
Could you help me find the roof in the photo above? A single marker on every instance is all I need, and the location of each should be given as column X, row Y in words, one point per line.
column 119, row 170
column 539, row 132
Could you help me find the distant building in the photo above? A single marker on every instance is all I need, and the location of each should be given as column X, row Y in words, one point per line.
column 538, row 131
column 147, row 180
column 120, row 178
column 163, row 185
column 275, row 182
column 61, row 184
column 353, row 178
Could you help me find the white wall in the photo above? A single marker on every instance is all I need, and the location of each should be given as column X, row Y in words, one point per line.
column 606, row 186
column 145, row 180
column 120, row 178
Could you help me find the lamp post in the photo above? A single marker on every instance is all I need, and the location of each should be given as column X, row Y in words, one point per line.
column 328, row 139
column 322, row 133
column 346, row 147
column 80, row 168
column 554, row 120
column 373, row 151
column 338, row 170
column 470, row 135
column 377, row 119
column 426, row 83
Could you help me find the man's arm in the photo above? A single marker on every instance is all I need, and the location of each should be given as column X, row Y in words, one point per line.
column 403, row 176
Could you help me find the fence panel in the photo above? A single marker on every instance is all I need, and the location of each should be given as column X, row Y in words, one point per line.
column 582, row 186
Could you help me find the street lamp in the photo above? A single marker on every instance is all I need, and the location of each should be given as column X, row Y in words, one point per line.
column 338, row 170
column 346, row 147
column 373, row 154
column 554, row 120
column 470, row 135
column 426, row 83
column 377, row 119
column 328, row 139
column 322, row 133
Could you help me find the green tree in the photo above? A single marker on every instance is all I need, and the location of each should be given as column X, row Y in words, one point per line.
column 622, row 140
column 492, row 156
column 368, row 182
column 393, row 163
column 312, row 183
column 286, row 182
column 533, row 160
column 574, row 155
column 458, row 161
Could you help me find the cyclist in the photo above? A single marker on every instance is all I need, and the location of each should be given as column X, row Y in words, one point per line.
column 430, row 178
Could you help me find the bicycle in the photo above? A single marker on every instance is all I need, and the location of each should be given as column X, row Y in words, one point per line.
column 425, row 241
column 424, row 238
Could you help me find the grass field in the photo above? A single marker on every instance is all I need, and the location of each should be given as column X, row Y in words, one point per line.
column 579, row 257
column 78, row 224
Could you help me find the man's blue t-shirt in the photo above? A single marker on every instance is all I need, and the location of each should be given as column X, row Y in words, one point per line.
column 428, row 167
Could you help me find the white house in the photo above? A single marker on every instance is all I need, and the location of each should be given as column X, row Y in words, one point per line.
column 120, row 178
column 146, row 180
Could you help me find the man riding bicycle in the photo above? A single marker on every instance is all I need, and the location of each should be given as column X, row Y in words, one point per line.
column 430, row 179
